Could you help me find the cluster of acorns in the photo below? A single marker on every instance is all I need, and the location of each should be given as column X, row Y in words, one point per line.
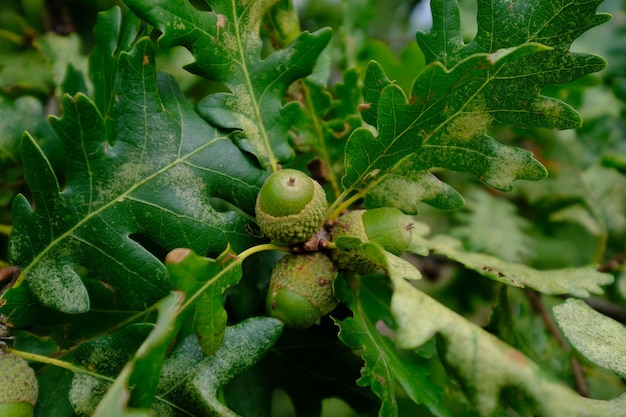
column 291, row 210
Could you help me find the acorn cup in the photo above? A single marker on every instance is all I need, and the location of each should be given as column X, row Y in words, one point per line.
column 301, row 289
column 18, row 386
column 387, row 226
column 290, row 207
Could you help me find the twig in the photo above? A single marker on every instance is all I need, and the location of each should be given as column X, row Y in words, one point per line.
column 609, row 309
column 613, row 263
column 579, row 378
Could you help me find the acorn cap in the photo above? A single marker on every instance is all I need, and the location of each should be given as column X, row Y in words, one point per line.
column 18, row 386
column 301, row 289
column 290, row 206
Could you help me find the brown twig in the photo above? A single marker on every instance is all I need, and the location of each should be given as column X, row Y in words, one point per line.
column 613, row 263
column 579, row 378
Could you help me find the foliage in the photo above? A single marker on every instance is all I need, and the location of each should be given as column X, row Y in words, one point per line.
column 134, row 273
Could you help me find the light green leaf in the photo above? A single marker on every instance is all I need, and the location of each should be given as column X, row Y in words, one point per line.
column 484, row 365
column 204, row 282
column 493, row 226
column 227, row 47
column 579, row 282
column 404, row 187
column 374, row 252
column 25, row 113
column 64, row 56
column 601, row 339
column 400, row 268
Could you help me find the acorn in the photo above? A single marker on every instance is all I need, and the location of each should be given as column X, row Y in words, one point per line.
column 18, row 386
column 290, row 207
column 387, row 226
column 301, row 289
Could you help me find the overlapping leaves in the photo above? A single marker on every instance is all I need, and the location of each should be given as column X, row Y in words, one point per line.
column 464, row 90
column 463, row 345
column 227, row 47
column 188, row 380
column 147, row 178
column 385, row 369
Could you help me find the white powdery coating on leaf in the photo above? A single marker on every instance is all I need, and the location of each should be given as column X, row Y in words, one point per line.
column 177, row 367
column 58, row 285
column 504, row 168
column 468, row 125
column 190, row 192
column 115, row 185
column 85, row 393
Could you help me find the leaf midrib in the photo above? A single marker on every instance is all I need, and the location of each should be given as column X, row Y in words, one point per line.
column 117, row 199
column 257, row 111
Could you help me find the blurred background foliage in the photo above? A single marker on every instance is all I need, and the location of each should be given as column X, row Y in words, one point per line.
column 575, row 217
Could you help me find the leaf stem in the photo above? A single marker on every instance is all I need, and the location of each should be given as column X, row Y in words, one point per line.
column 5, row 229
column 343, row 203
column 58, row 363
column 11, row 36
column 238, row 260
column 534, row 297
column 260, row 248
column 319, row 133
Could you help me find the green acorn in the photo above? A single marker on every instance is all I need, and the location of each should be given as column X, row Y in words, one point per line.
column 18, row 386
column 386, row 226
column 290, row 207
column 301, row 289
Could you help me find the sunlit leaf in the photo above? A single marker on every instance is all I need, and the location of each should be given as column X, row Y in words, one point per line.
column 463, row 345
column 580, row 282
column 600, row 338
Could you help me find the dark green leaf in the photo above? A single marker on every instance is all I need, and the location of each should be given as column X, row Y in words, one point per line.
column 316, row 359
column 151, row 182
column 140, row 373
column 192, row 381
column 465, row 89
column 368, row 330
column 53, row 401
column 135, row 387
column 227, row 48
column 438, row 124
column 108, row 354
